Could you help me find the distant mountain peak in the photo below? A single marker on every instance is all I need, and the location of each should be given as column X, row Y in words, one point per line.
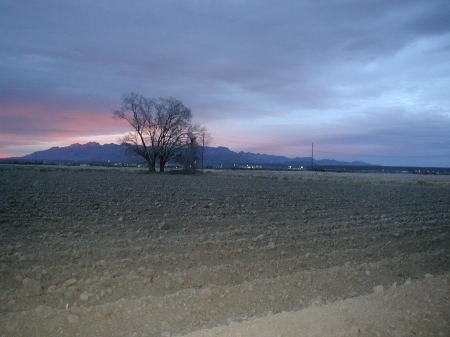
column 88, row 144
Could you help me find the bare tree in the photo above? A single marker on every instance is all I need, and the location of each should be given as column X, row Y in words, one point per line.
column 173, row 127
column 160, row 128
column 138, row 112
column 189, row 154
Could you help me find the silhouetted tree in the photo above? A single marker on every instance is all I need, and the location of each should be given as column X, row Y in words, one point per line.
column 173, row 126
column 138, row 112
column 189, row 155
column 161, row 128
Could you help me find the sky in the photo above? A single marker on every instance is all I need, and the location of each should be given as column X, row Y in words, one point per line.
column 364, row 80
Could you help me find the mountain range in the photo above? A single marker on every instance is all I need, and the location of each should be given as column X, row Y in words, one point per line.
column 93, row 152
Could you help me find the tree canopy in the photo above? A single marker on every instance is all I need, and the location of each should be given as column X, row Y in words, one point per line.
column 161, row 128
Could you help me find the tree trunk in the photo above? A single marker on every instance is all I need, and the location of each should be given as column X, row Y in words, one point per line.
column 151, row 167
column 162, row 165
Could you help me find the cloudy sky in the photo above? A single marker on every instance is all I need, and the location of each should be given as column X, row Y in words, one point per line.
column 363, row 80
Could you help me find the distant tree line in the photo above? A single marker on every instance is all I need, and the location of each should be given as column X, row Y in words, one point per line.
column 161, row 131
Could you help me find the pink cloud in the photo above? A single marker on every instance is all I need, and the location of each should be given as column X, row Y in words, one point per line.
column 27, row 128
column 54, row 121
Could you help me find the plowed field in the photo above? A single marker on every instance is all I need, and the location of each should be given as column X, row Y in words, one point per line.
column 103, row 252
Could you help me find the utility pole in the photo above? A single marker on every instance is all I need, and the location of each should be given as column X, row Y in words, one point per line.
column 312, row 156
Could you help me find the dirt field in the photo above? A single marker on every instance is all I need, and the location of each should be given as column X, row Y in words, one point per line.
column 86, row 252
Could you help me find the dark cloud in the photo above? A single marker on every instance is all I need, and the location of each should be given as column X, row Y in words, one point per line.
column 235, row 61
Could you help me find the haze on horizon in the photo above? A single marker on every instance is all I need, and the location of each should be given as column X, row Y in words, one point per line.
column 363, row 80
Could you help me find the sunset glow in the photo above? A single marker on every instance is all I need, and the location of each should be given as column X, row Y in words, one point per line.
column 364, row 81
